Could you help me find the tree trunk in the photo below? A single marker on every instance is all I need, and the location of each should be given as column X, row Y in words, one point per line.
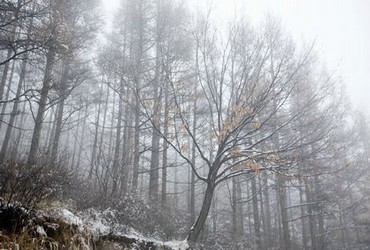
column 263, row 218
column 15, row 145
column 175, row 183
column 3, row 109
column 284, row 213
column 193, row 158
column 268, row 213
column 116, row 157
column 311, row 217
column 234, row 209
column 83, row 135
column 165, row 149
column 154, row 160
column 303, row 215
column 135, row 174
column 256, row 217
column 102, row 136
column 32, row 156
column 320, row 239
column 59, row 121
column 202, row 217
column 76, row 139
column 93, row 160
column 14, row 112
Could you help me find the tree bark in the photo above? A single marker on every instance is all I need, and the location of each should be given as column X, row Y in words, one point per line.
column 256, row 217
column 7, row 94
column 311, row 217
column 32, row 156
column 266, row 197
column 93, row 160
column 135, row 174
column 116, row 157
column 284, row 213
column 59, row 122
column 165, row 149
column 202, row 217
column 14, row 112
column 303, row 215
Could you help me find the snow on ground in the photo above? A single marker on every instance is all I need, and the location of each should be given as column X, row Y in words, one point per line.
column 103, row 223
column 70, row 218
column 177, row 245
column 96, row 221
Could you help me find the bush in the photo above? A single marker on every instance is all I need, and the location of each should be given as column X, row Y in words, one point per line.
column 30, row 184
column 24, row 228
column 149, row 219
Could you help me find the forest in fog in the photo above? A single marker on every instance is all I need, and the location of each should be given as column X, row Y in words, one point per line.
column 221, row 133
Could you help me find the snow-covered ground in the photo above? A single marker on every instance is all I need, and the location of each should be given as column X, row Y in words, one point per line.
column 100, row 223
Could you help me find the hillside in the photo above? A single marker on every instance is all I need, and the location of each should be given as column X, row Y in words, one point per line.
column 59, row 228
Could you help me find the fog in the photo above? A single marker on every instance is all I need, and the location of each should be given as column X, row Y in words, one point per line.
column 339, row 29
column 178, row 125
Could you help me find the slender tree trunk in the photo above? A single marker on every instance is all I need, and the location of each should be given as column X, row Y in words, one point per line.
column 35, row 141
column 175, row 184
column 154, row 160
column 202, row 217
column 110, row 143
column 311, row 217
column 76, row 139
column 234, row 209
column 303, row 214
column 256, row 217
column 10, row 50
column 240, row 208
column 102, row 134
column 125, row 154
column 266, row 196
column 249, row 209
column 14, row 112
column 135, row 174
column 284, row 213
column 320, row 219
column 193, row 158
column 237, row 210
column 116, row 157
column 93, row 160
column 19, row 121
column 82, row 140
column 214, row 215
column 3, row 109
column 263, row 217
column 165, row 149
column 59, row 120
column 4, row 77
column 51, row 124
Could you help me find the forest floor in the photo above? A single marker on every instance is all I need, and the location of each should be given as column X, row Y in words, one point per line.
column 58, row 227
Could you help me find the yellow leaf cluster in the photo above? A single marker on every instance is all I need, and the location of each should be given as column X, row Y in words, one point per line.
column 226, row 127
column 253, row 165
column 257, row 124
column 240, row 110
column 184, row 148
column 182, row 126
column 236, row 153
column 273, row 157
column 238, row 167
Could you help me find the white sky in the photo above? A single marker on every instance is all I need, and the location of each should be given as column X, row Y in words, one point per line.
column 340, row 29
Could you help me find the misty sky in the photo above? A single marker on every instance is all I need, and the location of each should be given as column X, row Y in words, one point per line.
column 340, row 29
